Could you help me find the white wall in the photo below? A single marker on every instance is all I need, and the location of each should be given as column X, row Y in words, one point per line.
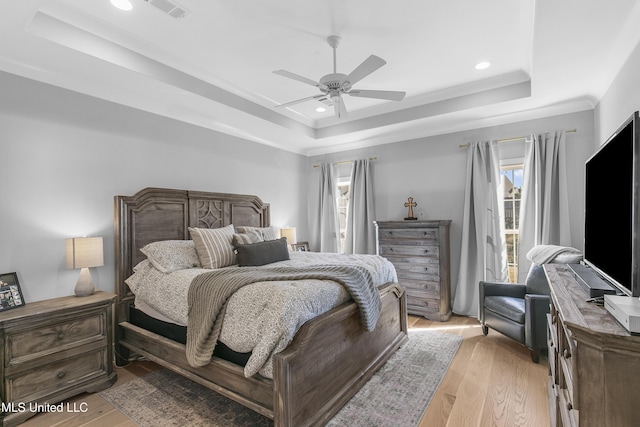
column 432, row 171
column 64, row 157
column 621, row 99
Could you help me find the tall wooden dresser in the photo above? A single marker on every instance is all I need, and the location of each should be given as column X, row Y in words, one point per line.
column 419, row 250
column 594, row 362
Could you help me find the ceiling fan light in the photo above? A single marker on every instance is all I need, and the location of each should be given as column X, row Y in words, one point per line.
column 482, row 65
column 321, row 109
column 122, row 4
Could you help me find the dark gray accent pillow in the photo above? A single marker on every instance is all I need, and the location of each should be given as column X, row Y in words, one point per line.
column 262, row 253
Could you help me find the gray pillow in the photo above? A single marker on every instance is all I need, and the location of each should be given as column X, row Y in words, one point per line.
column 262, row 253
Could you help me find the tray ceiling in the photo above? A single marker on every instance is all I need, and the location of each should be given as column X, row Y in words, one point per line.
column 214, row 66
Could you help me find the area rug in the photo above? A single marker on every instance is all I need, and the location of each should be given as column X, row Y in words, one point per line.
column 397, row 395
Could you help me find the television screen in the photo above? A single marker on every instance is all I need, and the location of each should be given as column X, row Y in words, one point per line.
column 610, row 209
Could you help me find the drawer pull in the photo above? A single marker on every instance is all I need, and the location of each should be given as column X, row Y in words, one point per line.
column 569, row 406
column 60, row 336
column 426, row 269
column 60, row 375
column 426, row 251
column 390, row 249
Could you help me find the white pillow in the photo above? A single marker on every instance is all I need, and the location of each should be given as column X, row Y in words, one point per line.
column 139, row 271
column 214, row 246
column 171, row 255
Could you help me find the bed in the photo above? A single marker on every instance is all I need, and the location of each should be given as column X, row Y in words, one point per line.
column 330, row 357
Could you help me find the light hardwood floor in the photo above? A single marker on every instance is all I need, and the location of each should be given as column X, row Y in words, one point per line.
column 491, row 382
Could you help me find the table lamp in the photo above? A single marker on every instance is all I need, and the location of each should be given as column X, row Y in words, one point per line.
column 84, row 253
column 290, row 234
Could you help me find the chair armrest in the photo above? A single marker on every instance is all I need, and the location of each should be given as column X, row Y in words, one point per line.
column 536, row 308
column 502, row 289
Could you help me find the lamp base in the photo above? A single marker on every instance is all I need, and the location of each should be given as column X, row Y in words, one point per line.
column 84, row 287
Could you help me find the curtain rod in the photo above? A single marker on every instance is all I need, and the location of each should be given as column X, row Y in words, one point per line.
column 344, row 162
column 517, row 138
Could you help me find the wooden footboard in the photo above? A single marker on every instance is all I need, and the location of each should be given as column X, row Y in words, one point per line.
column 328, row 361
column 332, row 357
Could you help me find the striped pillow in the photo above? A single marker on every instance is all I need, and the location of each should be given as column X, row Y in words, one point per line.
column 246, row 239
column 214, row 246
column 267, row 233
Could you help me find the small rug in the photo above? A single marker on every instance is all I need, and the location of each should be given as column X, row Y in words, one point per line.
column 397, row 395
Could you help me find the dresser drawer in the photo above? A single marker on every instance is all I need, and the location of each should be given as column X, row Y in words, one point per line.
column 35, row 383
column 428, row 288
column 409, row 234
column 412, row 251
column 50, row 337
column 427, row 268
column 418, row 304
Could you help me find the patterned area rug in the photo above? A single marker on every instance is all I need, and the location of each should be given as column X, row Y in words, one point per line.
column 396, row 395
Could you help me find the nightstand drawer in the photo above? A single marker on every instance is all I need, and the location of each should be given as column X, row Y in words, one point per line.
column 55, row 377
column 48, row 338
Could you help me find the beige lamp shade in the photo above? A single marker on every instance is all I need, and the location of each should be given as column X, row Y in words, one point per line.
column 290, row 234
column 83, row 253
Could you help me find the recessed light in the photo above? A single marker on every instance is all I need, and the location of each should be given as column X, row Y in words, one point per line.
column 482, row 65
column 321, row 109
column 122, row 4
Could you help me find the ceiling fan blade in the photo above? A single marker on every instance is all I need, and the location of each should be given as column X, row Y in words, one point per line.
column 369, row 65
column 339, row 108
column 294, row 76
column 326, row 101
column 391, row 95
column 298, row 101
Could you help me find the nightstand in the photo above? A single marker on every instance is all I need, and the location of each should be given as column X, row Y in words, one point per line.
column 53, row 350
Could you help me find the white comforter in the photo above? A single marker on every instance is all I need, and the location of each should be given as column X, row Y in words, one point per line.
column 261, row 318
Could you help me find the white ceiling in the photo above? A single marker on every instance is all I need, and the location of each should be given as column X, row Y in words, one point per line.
column 214, row 67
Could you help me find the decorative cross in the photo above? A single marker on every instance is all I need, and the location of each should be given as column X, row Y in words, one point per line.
column 410, row 204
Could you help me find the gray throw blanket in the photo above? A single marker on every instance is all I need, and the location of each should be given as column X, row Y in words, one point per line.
column 209, row 293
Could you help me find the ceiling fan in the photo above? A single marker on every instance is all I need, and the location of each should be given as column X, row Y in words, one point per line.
column 334, row 85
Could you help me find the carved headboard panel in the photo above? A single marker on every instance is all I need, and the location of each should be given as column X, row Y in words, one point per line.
column 155, row 214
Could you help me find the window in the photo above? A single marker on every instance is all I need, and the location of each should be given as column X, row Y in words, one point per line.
column 342, row 201
column 511, row 176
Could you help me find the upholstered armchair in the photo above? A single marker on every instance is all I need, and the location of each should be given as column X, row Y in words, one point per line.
column 518, row 310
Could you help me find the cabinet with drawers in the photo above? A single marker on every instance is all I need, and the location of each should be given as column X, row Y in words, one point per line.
column 593, row 361
column 419, row 250
column 53, row 350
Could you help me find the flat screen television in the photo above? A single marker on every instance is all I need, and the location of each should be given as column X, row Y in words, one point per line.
column 612, row 218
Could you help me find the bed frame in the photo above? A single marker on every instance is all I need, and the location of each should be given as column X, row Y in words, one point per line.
column 331, row 356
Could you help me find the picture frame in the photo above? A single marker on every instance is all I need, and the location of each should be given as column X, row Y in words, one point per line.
column 300, row 247
column 10, row 292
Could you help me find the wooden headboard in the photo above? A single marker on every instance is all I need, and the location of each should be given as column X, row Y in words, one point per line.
column 155, row 214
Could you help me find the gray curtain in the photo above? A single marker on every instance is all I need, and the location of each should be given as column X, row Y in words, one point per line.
column 360, row 234
column 544, row 209
column 483, row 254
column 327, row 225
